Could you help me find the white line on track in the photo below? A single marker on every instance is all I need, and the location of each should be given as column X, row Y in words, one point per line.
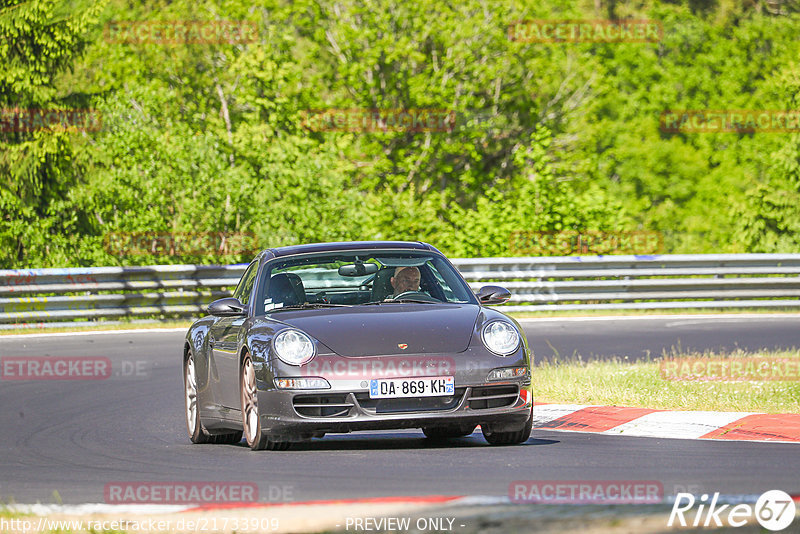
column 718, row 317
column 96, row 332
column 97, row 508
column 705, row 440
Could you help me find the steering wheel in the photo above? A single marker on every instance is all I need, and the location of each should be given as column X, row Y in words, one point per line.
column 415, row 295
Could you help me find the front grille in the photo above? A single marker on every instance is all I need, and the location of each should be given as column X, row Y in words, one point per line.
column 485, row 397
column 409, row 405
column 322, row 405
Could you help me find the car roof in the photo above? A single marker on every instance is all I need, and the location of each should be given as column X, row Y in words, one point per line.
column 345, row 246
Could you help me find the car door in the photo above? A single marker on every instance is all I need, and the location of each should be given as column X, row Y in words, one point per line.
column 224, row 344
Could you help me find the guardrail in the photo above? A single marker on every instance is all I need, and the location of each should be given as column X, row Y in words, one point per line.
column 644, row 282
column 547, row 283
column 112, row 292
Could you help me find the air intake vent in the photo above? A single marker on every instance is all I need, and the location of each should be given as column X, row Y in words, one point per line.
column 410, row 405
column 322, row 405
column 483, row 398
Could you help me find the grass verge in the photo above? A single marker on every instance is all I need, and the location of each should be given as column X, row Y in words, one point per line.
column 670, row 311
column 640, row 384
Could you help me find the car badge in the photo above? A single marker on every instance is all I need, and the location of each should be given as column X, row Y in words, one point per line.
column 403, row 346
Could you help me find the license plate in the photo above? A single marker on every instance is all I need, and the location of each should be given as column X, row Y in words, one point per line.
column 392, row 388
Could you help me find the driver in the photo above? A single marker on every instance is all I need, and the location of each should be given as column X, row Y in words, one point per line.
column 405, row 279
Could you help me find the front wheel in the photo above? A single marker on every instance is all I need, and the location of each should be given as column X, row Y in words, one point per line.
column 509, row 438
column 193, row 423
column 251, row 416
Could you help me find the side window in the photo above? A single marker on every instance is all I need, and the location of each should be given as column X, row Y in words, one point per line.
column 445, row 289
column 245, row 287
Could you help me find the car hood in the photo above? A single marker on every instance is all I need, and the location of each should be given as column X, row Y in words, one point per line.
column 385, row 328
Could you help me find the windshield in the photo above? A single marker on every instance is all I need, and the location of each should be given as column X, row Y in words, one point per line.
column 360, row 278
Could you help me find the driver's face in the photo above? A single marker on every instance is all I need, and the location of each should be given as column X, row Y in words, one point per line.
column 405, row 279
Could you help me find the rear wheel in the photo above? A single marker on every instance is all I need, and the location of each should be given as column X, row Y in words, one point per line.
column 509, row 438
column 446, row 432
column 194, row 425
column 251, row 416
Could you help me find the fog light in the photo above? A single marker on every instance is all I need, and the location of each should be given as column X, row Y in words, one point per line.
column 302, row 383
column 507, row 373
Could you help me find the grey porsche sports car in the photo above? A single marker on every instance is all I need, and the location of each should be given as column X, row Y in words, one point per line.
column 340, row 337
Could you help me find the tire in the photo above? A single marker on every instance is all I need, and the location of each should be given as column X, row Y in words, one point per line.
column 447, row 432
column 191, row 411
column 256, row 439
column 194, row 424
column 509, row 438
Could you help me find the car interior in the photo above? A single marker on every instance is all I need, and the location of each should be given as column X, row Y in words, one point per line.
column 381, row 284
column 287, row 289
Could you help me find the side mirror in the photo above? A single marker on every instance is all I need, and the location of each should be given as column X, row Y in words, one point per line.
column 227, row 307
column 493, row 295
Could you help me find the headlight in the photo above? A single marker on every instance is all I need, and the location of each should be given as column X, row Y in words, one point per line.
column 500, row 337
column 293, row 347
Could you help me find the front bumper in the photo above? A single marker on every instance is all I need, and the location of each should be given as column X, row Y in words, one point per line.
column 292, row 415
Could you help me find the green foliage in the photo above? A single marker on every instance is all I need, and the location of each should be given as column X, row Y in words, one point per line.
column 547, row 137
column 770, row 213
column 37, row 169
column 538, row 200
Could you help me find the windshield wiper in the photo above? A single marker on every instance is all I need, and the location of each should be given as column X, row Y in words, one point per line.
column 409, row 299
column 310, row 305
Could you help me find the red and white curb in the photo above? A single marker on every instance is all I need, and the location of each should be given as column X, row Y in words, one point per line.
column 290, row 508
column 417, row 501
column 646, row 422
column 413, row 500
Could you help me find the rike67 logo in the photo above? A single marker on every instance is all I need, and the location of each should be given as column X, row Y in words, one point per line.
column 774, row 510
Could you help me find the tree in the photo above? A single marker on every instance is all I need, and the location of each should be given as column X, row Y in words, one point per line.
column 38, row 43
column 770, row 214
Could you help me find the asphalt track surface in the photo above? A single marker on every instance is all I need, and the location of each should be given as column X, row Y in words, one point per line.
column 63, row 441
column 642, row 337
